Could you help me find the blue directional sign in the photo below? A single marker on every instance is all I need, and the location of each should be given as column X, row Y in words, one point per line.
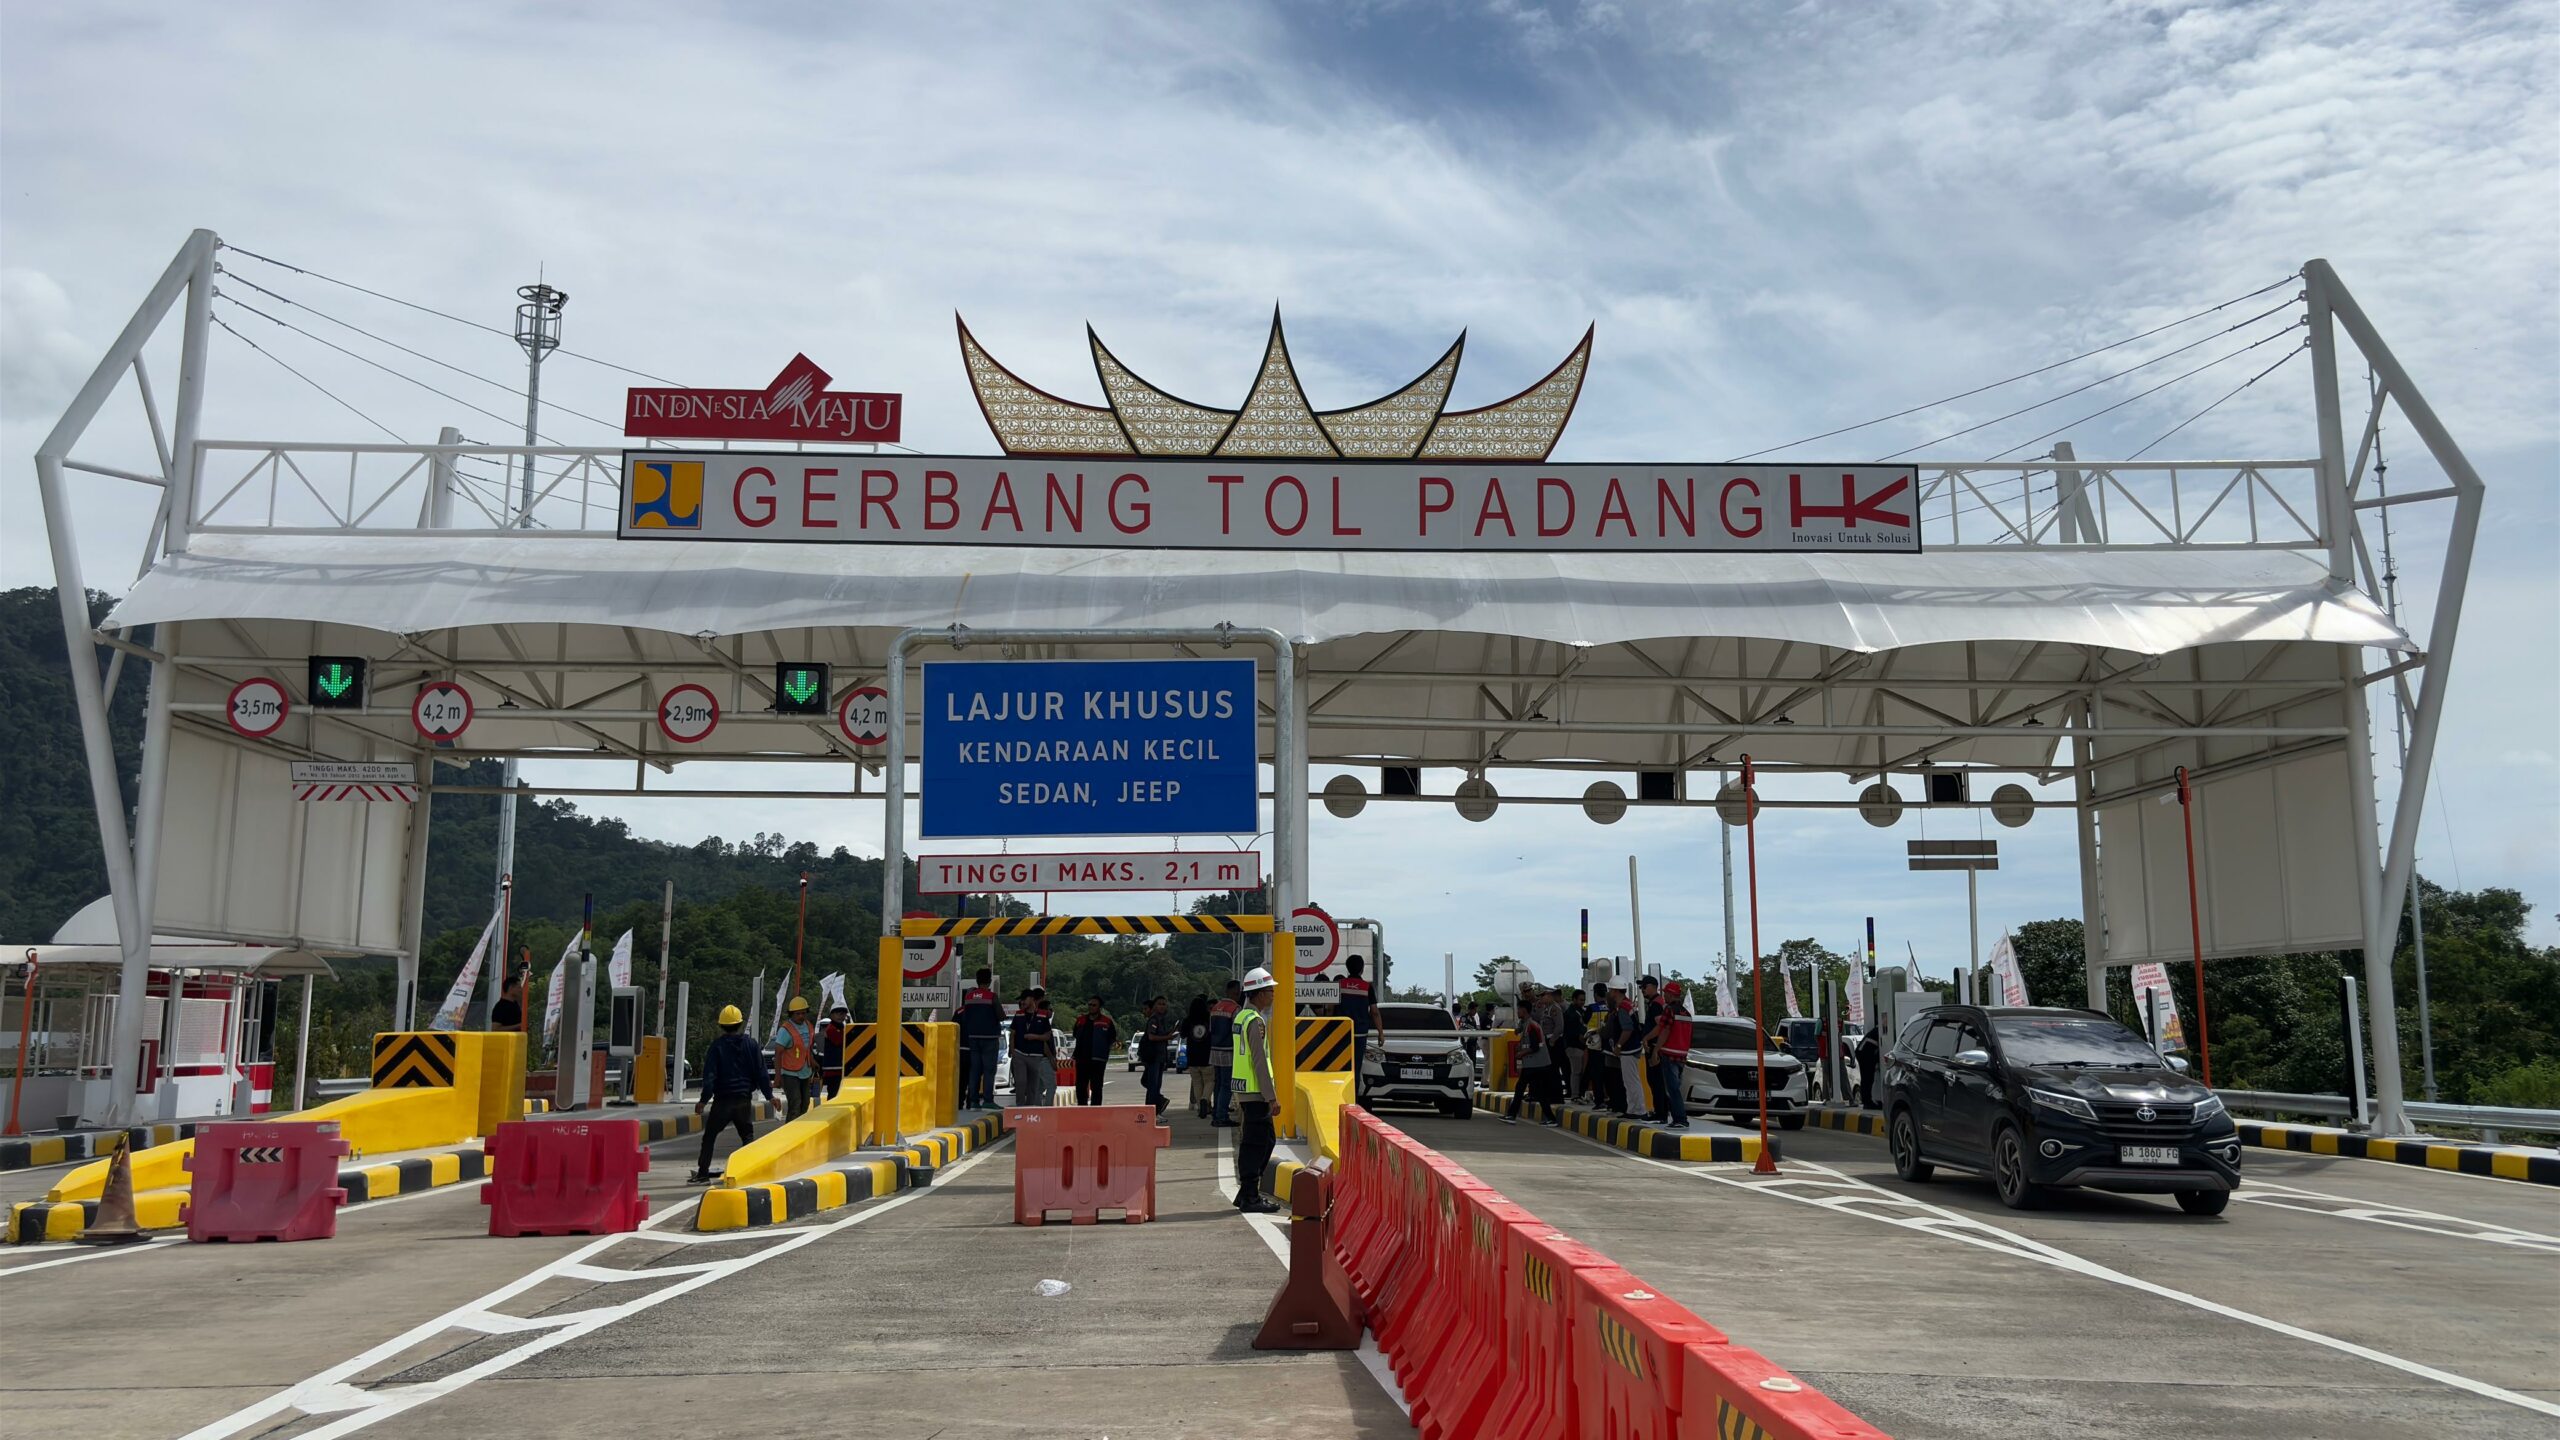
column 1089, row 747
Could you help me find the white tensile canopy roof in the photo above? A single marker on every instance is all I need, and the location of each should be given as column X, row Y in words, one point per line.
column 89, row 938
column 1473, row 640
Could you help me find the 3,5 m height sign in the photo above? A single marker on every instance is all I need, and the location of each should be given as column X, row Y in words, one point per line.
column 1089, row 747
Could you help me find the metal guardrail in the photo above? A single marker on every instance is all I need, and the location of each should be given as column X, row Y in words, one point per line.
column 2491, row 1118
column 339, row 1089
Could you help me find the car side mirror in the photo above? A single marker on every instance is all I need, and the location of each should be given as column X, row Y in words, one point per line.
column 2178, row 1063
column 1976, row 1058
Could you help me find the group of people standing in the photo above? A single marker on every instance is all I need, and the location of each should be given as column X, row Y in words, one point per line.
column 1624, row 1053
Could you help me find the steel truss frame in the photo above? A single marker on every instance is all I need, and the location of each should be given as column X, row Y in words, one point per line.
column 2010, row 710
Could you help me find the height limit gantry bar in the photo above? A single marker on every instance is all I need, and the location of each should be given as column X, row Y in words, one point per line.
column 1088, row 925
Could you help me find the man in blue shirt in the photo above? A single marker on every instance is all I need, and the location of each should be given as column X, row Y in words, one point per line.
column 733, row 1071
column 981, row 1020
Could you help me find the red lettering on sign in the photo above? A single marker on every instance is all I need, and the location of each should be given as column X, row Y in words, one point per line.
column 1664, row 507
column 1448, row 500
column 1001, row 498
column 1614, row 502
column 1724, row 504
column 942, row 498
column 810, row 495
column 1057, row 501
column 1226, row 501
column 1851, row 509
column 1494, row 505
column 880, row 499
column 1337, row 510
column 1545, row 484
column 1145, row 512
column 764, row 502
column 1271, row 515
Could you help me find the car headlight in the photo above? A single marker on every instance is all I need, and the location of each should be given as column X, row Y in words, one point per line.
column 2071, row 1105
column 2209, row 1107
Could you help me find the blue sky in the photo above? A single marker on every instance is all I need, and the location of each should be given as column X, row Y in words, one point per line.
column 1781, row 219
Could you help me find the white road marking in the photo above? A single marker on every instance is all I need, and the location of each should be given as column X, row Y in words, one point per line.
column 1832, row 1190
column 2399, row 1217
column 331, row 1392
column 88, row 1255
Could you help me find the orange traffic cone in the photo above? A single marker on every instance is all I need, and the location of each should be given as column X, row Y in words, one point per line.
column 115, row 1223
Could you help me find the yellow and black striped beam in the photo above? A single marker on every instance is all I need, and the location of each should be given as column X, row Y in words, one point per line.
column 413, row 1059
column 1035, row 925
column 1324, row 1043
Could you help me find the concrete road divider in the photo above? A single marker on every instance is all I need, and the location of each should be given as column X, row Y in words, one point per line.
column 1497, row 1325
column 2506, row 1162
column 34, row 1152
column 566, row 1177
column 1856, row 1122
column 774, row 1202
column 1715, row 1145
column 1083, row 1160
column 265, row 1182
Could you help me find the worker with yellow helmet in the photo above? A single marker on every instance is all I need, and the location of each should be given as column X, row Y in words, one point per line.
column 733, row 1072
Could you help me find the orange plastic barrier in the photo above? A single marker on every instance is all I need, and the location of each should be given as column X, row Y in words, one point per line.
column 1315, row 1310
column 1083, row 1160
column 1497, row 1325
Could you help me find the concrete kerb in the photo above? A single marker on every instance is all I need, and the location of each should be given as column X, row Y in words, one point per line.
column 34, row 1152
column 1638, row 1138
column 2504, row 1162
column 34, row 1221
column 865, row 1175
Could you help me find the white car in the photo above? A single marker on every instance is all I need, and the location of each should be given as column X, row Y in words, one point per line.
column 1414, row 1058
column 1724, row 1074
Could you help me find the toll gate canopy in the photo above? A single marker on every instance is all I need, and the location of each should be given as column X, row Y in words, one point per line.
column 2083, row 624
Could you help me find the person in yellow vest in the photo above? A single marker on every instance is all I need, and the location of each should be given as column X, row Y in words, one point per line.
column 1254, row 1092
column 795, row 1057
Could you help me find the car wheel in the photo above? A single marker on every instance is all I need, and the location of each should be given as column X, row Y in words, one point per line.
column 1902, row 1137
column 2009, row 1170
column 2204, row 1202
column 1790, row 1122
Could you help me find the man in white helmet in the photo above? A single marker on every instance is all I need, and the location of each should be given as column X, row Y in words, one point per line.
column 1254, row 1092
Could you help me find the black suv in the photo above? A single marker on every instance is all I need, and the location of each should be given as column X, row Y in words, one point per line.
column 2046, row 1097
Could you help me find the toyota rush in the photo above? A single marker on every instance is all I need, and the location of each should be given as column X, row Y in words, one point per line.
column 2050, row 1098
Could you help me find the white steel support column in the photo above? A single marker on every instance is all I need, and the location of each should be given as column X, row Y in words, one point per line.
column 413, row 904
column 1289, row 781
column 2093, row 919
column 2338, row 522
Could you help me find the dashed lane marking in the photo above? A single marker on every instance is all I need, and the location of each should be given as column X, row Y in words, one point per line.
column 1832, row 1190
column 2399, row 1217
column 332, row 1392
column 1274, row 1232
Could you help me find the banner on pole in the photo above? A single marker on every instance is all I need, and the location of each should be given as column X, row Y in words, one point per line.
column 620, row 965
column 1724, row 997
column 2158, row 1005
column 2004, row 969
column 551, row 1008
column 1787, row 982
column 457, row 1001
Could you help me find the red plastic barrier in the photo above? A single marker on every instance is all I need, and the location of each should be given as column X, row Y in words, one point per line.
column 1459, row 1381
column 1629, row 1360
column 1728, row 1390
column 565, row 1177
column 1085, row 1159
column 1536, row 1401
column 265, row 1181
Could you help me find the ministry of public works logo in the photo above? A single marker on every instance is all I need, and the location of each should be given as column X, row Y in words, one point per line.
column 666, row 495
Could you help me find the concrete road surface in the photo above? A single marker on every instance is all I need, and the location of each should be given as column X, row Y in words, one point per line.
column 2335, row 1297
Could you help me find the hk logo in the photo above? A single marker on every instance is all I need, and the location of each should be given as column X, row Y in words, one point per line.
column 666, row 495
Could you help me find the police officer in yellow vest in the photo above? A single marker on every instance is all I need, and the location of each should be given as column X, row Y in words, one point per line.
column 1254, row 1092
column 795, row 1057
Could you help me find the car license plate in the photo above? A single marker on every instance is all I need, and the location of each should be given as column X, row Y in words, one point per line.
column 2147, row 1154
column 1415, row 1072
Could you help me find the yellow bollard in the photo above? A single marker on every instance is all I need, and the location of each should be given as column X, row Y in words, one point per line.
column 1284, row 1032
column 884, row 1046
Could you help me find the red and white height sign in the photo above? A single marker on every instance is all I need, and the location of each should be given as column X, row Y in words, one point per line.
column 1020, row 874
column 1147, row 503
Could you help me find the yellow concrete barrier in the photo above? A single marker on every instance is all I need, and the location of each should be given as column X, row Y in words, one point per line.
column 1317, row 1104
column 827, row 1132
column 431, row 1088
column 942, row 1067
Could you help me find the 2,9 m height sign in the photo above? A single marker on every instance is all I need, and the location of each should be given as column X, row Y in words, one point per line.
column 1089, row 747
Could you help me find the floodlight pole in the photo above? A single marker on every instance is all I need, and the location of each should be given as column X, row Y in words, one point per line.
column 538, row 332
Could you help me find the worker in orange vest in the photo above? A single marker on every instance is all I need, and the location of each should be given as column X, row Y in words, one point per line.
column 795, row 1057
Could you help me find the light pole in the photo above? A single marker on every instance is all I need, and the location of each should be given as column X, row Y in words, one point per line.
column 1235, row 943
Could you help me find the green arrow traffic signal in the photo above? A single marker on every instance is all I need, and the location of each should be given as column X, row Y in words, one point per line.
column 337, row 682
column 800, row 689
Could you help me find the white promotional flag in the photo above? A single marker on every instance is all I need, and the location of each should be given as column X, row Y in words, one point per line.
column 1787, row 982
column 830, row 992
column 2004, row 968
column 1857, row 993
column 620, row 966
column 551, row 1009
column 1724, row 998
column 2153, row 999
column 1911, row 978
column 457, row 1001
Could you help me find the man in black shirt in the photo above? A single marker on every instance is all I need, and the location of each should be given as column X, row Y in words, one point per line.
column 1097, row 1038
column 1155, row 1043
column 1038, row 1045
column 733, row 1072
